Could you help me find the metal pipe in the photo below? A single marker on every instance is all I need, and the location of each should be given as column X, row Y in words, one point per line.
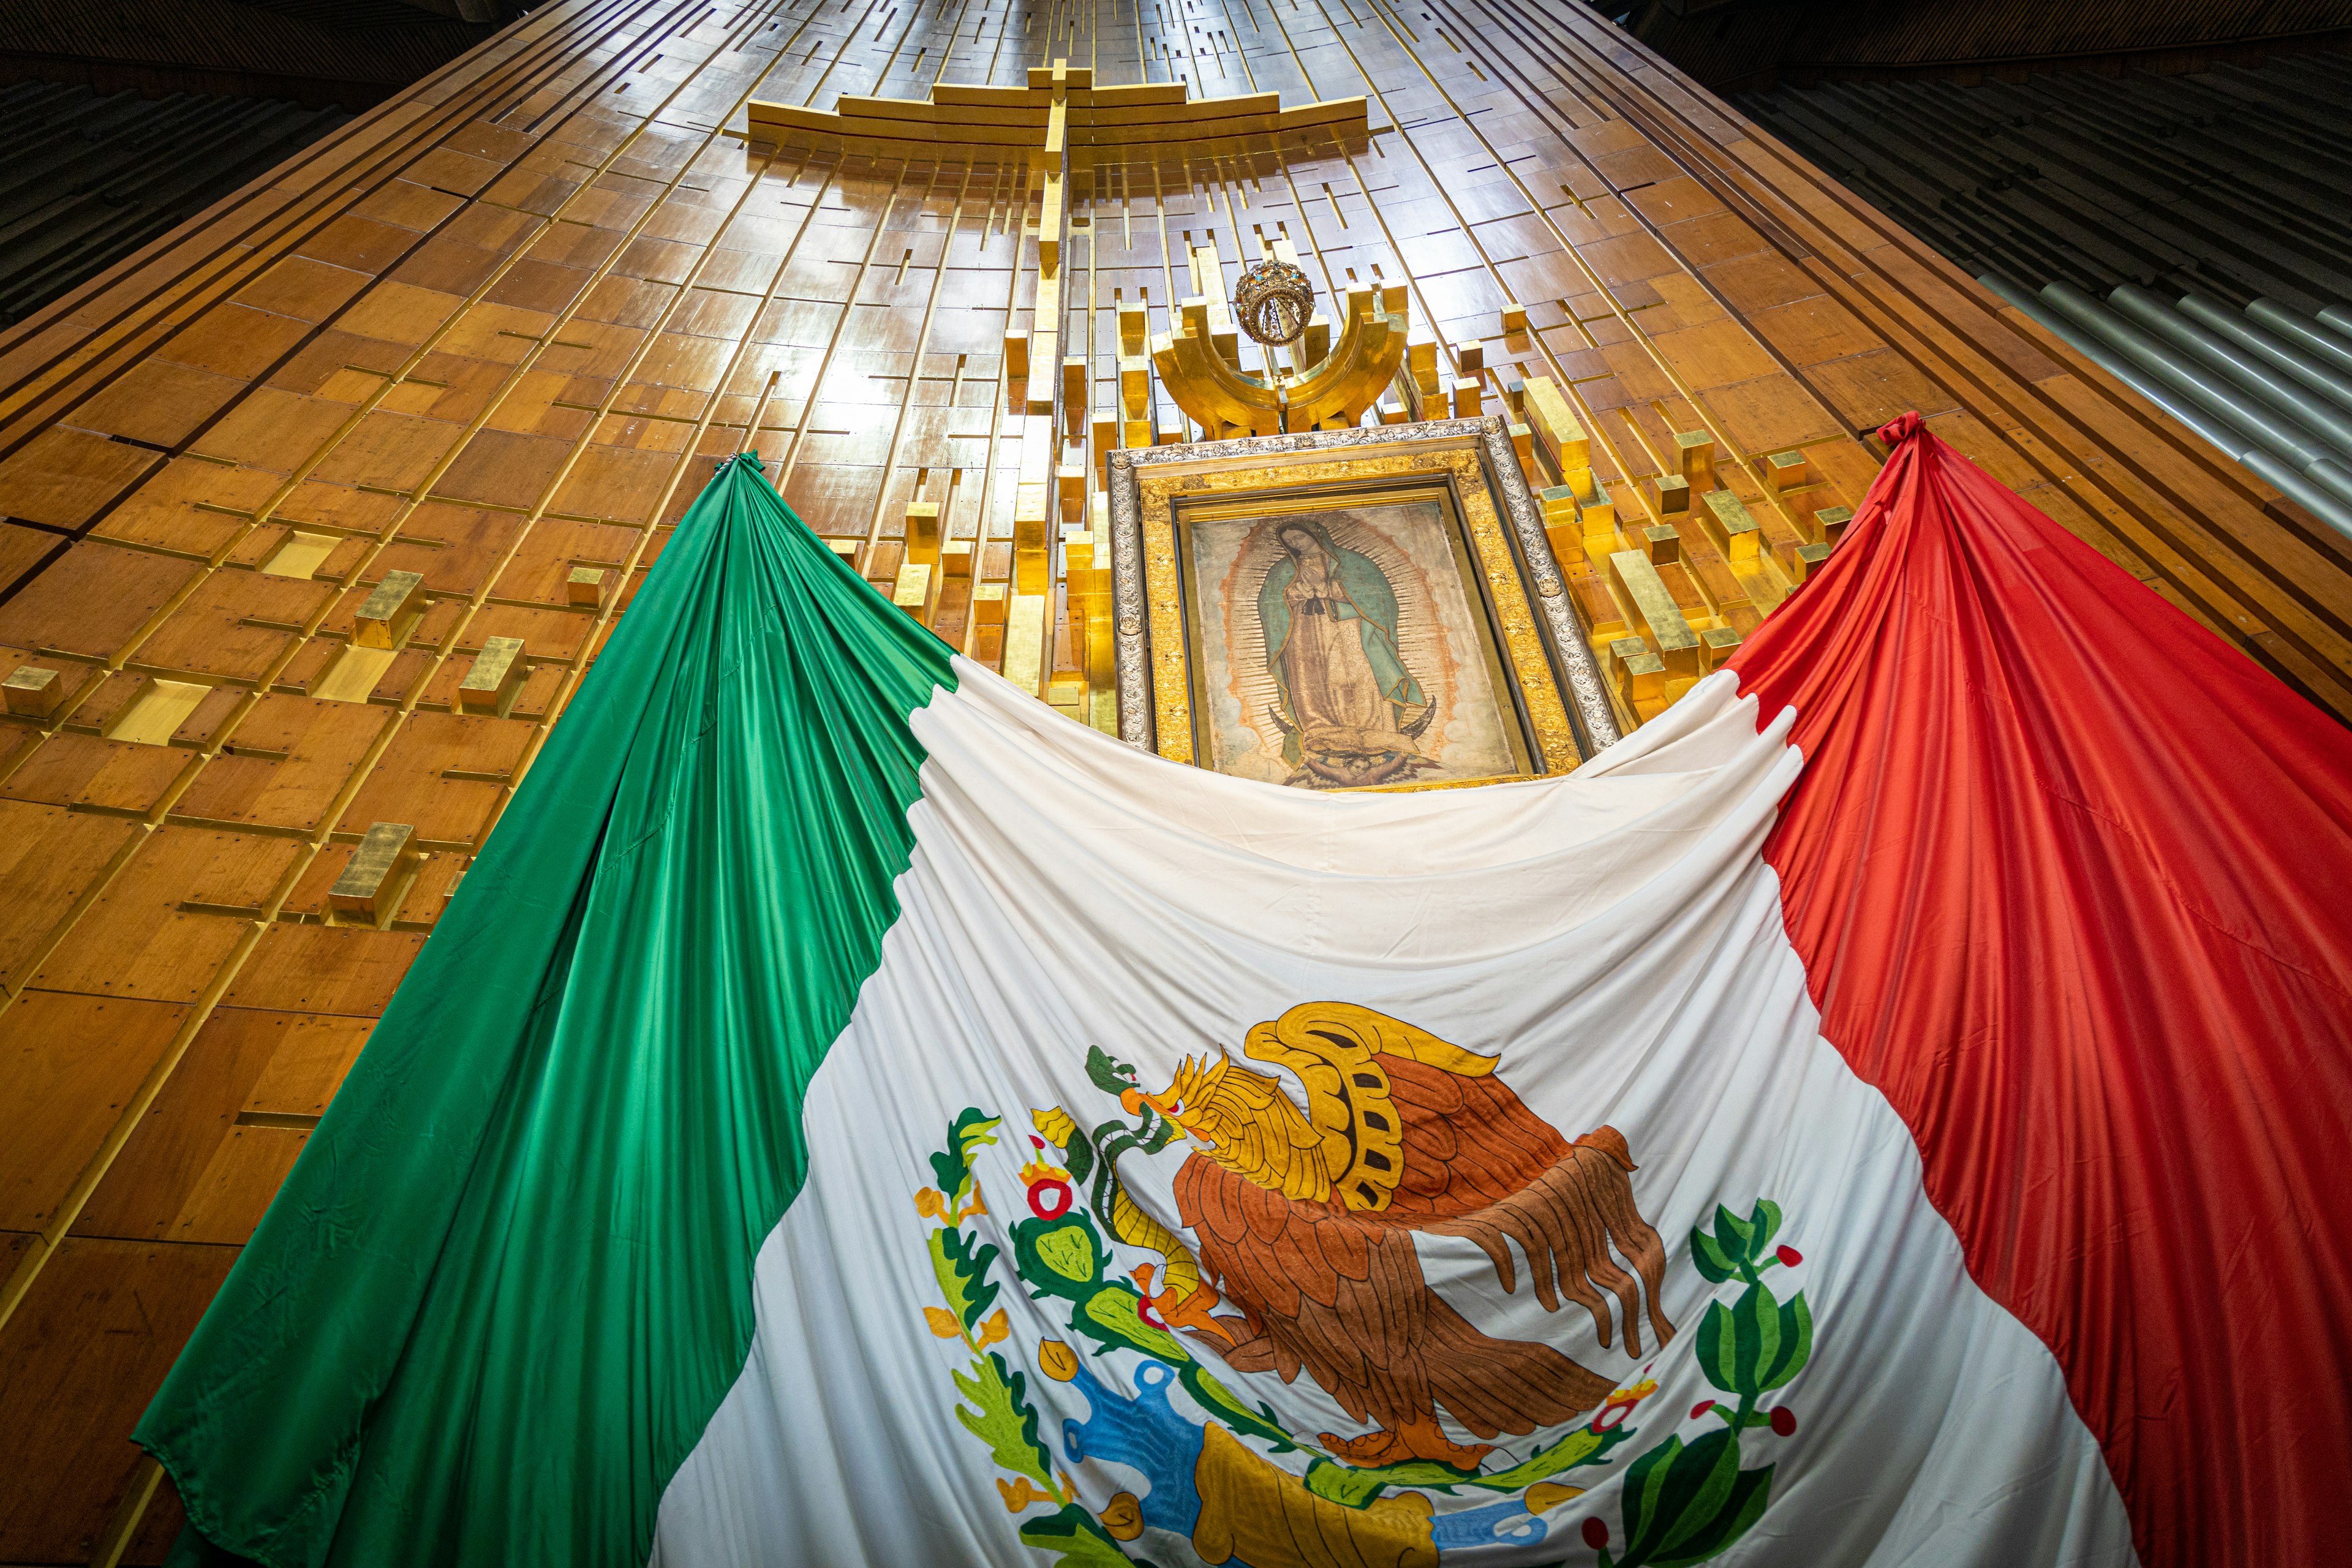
column 2337, row 315
column 2256, row 425
column 2244, row 369
column 2092, row 329
column 2269, row 345
column 2333, row 475
column 2297, row 328
column 2334, row 513
column 2308, row 488
column 2096, row 351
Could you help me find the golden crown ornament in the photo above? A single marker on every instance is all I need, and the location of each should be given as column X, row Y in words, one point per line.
column 1272, row 301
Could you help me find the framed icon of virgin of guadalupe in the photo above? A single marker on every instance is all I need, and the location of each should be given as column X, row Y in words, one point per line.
column 1370, row 608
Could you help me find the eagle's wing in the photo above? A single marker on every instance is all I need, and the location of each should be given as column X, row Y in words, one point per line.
column 1479, row 1165
column 1342, row 1295
column 1340, row 1053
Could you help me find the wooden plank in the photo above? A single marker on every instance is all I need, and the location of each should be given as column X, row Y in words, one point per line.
column 193, row 1170
column 69, row 1062
column 165, row 924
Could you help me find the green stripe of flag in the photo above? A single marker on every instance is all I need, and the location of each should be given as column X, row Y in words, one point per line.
column 509, row 1280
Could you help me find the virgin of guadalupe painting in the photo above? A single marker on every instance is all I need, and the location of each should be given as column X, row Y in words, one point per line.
column 1342, row 649
column 1350, row 712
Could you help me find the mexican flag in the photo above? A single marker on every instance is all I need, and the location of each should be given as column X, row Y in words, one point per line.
column 1891, row 1109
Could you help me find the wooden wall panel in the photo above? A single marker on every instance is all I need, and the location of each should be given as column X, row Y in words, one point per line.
column 505, row 325
column 83, row 1353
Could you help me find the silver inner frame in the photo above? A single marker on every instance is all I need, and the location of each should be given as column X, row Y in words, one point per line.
column 1562, row 629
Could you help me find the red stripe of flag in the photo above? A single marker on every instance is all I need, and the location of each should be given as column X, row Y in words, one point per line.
column 2072, row 883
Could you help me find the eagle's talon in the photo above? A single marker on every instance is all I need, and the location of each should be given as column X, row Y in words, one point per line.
column 1416, row 1440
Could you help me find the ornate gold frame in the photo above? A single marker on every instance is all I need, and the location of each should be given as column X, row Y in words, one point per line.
column 1547, row 663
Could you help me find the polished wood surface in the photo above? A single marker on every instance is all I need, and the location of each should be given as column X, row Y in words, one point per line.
column 499, row 329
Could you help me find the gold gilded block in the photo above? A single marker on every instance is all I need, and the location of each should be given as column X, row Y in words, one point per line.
column 912, row 591
column 1514, row 318
column 1594, row 497
column 1558, row 430
column 846, row 549
column 1808, row 558
column 33, row 692
column 1695, row 452
column 1786, row 470
column 1515, row 394
column 1832, row 520
column 388, row 612
column 1598, row 515
column 1016, row 355
column 1071, row 479
column 988, row 602
column 1393, row 297
column 1716, row 645
column 1470, row 356
column 1735, row 531
column 1050, row 215
column 1074, row 385
column 1032, row 515
column 1639, row 675
column 1469, row 395
column 497, row 674
column 1135, row 433
column 1662, row 544
column 1420, row 363
column 1653, row 608
column 584, row 588
column 1523, row 442
column 1674, row 494
column 1561, row 525
column 1392, row 410
column 1135, row 386
column 923, row 532
column 378, row 873
column 1027, row 639
column 1104, row 433
column 955, row 558
column 1169, row 434
column 1134, row 330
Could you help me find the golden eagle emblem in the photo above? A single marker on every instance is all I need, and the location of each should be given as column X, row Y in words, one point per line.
column 1304, row 1221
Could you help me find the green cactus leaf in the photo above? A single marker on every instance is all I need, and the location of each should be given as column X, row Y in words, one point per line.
column 1766, row 1224
column 1755, row 1323
column 1732, row 1232
column 1684, row 1504
column 1713, row 1262
column 1739, row 1510
column 1643, row 1499
column 1794, row 1346
column 1719, row 1348
column 1063, row 1258
column 1701, row 1481
column 1110, row 1317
